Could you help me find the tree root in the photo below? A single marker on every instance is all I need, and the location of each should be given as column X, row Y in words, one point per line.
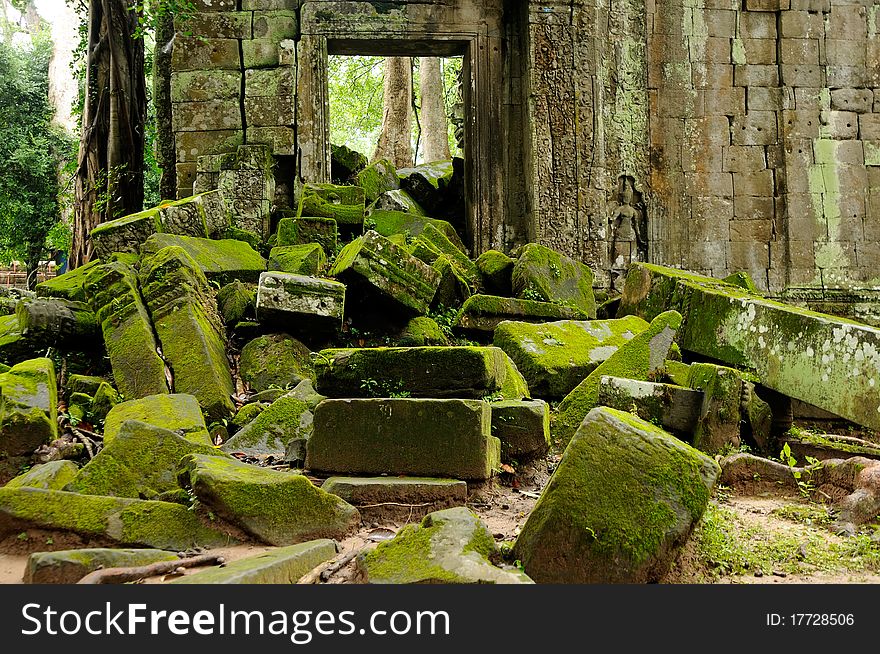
column 123, row 575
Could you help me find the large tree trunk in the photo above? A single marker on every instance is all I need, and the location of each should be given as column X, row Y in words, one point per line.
column 395, row 142
column 110, row 172
column 435, row 132
column 165, row 155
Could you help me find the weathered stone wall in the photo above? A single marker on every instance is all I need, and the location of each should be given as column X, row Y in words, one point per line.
column 716, row 135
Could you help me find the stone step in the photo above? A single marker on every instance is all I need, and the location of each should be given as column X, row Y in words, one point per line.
column 397, row 498
column 419, row 437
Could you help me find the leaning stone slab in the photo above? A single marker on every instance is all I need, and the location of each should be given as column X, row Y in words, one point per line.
column 193, row 339
column 59, row 323
column 236, row 301
column 69, row 566
column 377, row 178
column 345, row 163
column 146, row 523
column 54, row 475
column 407, row 498
column 483, row 313
column 299, row 301
column 635, row 359
column 432, row 243
column 14, row 346
column 222, row 261
column 434, row 372
column 397, row 200
column 306, row 259
column 618, row 507
column 286, row 419
column 344, row 204
column 554, row 357
column 28, row 407
column 428, row 183
column 278, row 508
column 553, row 277
column 452, row 546
column 718, row 425
column 68, row 286
column 140, row 461
column 305, row 230
column 281, row 566
column 178, row 413
column 419, row 437
column 496, row 269
column 675, row 408
column 829, row 362
column 275, row 360
column 115, row 297
column 389, row 223
column 379, row 269
column 523, row 427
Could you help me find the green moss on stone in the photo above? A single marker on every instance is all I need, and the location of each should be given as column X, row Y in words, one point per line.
column 68, row 286
column 275, row 360
column 544, row 274
column 496, row 270
column 222, row 261
column 48, row 476
column 235, row 301
column 272, row 429
column 377, row 178
column 178, row 413
column 421, row 331
column 308, row 259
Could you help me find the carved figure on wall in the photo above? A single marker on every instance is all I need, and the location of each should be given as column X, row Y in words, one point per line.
column 629, row 228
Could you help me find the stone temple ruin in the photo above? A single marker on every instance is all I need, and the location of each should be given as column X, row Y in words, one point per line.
column 622, row 272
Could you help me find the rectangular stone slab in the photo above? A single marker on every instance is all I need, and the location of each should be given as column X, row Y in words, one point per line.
column 402, row 498
column 222, row 261
column 523, row 427
column 483, row 313
column 675, row 407
column 433, row 438
column 285, row 298
column 829, row 362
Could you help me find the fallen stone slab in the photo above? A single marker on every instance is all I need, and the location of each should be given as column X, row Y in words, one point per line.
column 397, row 200
column 428, row 184
column 422, row 331
column 379, row 270
column 554, row 357
column 635, row 359
column 544, row 274
column 286, row 419
column 186, row 321
column 14, row 346
column 620, row 504
column 306, row 259
column 69, row 286
column 305, row 230
column 275, row 360
column 222, row 261
column 28, row 407
column 675, row 408
column 390, row 223
column 718, row 426
column 178, row 413
column 433, row 372
column 146, row 523
column 496, row 270
column 418, row 437
column 483, row 313
column 344, row 204
column 281, row 566
column 829, row 362
column 452, row 546
column 114, row 295
column 345, row 163
column 397, row 498
column 140, row 462
column 819, row 446
column 523, row 427
column 53, row 475
column 278, row 508
column 59, row 323
column 236, row 301
column 69, row 566
column 377, row 178
column 454, row 288
column 300, row 302
column 87, row 384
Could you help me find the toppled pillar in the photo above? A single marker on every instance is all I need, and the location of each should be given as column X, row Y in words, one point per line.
column 829, row 362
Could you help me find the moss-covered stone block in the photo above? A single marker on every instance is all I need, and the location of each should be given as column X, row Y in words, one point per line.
column 825, row 361
column 378, row 269
column 139, row 462
column 345, row 163
column 54, row 322
column 496, row 270
column 432, row 242
column 420, row 437
column 178, row 413
column 68, row 286
column 189, row 328
column 454, row 288
column 279, row 508
column 397, row 200
column 114, row 295
column 125, row 234
column 87, row 384
column 546, row 275
column 481, row 314
column 105, row 398
column 377, row 178
column 54, row 475
column 718, row 425
column 452, row 546
column 286, row 419
column 236, row 301
column 635, row 359
column 281, row 566
column 305, row 230
column 28, row 407
column 246, row 414
column 421, row 331
column 275, row 360
column 428, row 184
column 554, row 357
column 344, row 204
column 14, row 346
column 405, row 498
column 675, row 408
column 433, row 372
column 523, row 427
column 620, row 504
column 146, row 523
column 69, row 566
column 221, row 261
column 308, row 259
column 299, row 301
column 391, row 223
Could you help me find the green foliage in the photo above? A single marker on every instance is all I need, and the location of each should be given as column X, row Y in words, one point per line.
column 32, row 150
column 805, row 485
